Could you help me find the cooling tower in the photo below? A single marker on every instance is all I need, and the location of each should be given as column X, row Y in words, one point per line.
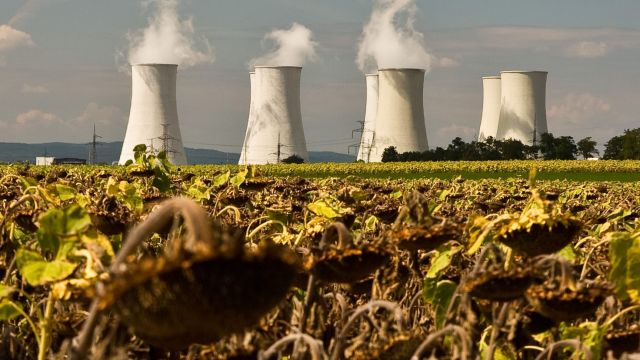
column 276, row 132
column 400, row 117
column 153, row 119
column 371, row 110
column 523, row 113
column 243, row 154
column 490, row 107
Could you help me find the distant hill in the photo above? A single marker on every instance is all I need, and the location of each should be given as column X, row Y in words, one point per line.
column 110, row 152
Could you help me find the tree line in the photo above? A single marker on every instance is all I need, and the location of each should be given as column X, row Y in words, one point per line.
column 548, row 147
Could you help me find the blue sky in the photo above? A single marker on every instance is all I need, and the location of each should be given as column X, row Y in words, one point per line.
column 58, row 70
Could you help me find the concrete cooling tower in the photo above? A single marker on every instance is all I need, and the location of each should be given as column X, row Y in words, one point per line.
column 276, row 131
column 523, row 113
column 490, row 107
column 243, row 154
column 400, row 119
column 371, row 111
column 153, row 119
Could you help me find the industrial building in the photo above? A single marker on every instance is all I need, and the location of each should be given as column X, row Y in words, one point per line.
column 492, row 92
column 51, row 160
column 153, row 119
column 523, row 113
column 250, row 122
column 274, row 130
column 400, row 118
column 371, row 112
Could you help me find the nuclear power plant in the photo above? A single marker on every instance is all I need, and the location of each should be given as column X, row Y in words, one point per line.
column 523, row 113
column 371, row 111
column 274, row 131
column 490, row 107
column 153, row 119
column 252, row 113
column 400, row 116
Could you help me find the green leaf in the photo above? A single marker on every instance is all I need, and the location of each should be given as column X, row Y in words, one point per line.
column 359, row 195
column 441, row 260
column 429, row 289
column 221, row 179
column 24, row 257
column 140, row 148
column 277, row 216
column 70, row 220
column 478, row 236
column 239, row 178
column 624, row 255
column 139, row 152
column 568, row 253
column 9, row 310
column 321, row 208
column 6, row 291
column 65, row 192
column 443, row 294
column 443, row 194
column 112, row 187
column 371, row 223
column 396, row 194
column 161, row 180
column 58, row 226
column 590, row 334
column 37, row 271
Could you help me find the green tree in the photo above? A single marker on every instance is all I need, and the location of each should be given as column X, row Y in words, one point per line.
column 565, row 148
column 624, row 147
column 512, row 149
column 561, row 148
column 547, row 146
column 456, row 149
column 631, row 145
column 587, row 147
column 293, row 159
column 390, row 154
column 613, row 148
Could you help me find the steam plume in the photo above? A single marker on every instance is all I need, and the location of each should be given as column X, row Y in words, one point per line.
column 292, row 47
column 167, row 39
column 390, row 40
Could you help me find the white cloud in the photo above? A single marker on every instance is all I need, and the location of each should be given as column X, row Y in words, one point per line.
column 587, row 49
column 34, row 89
column 102, row 115
column 450, row 132
column 578, row 108
column 37, row 117
column 30, row 8
column 36, row 125
column 583, row 42
column 444, row 62
column 11, row 38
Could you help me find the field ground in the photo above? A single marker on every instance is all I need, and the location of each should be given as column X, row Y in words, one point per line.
column 625, row 171
column 358, row 261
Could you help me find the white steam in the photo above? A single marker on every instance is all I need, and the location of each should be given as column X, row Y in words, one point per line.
column 168, row 39
column 292, row 47
column 390, row 40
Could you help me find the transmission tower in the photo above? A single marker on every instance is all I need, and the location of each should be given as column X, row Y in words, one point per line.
column 278, row 152
column 353, row 132
column 93, row 155
column 166, row 139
